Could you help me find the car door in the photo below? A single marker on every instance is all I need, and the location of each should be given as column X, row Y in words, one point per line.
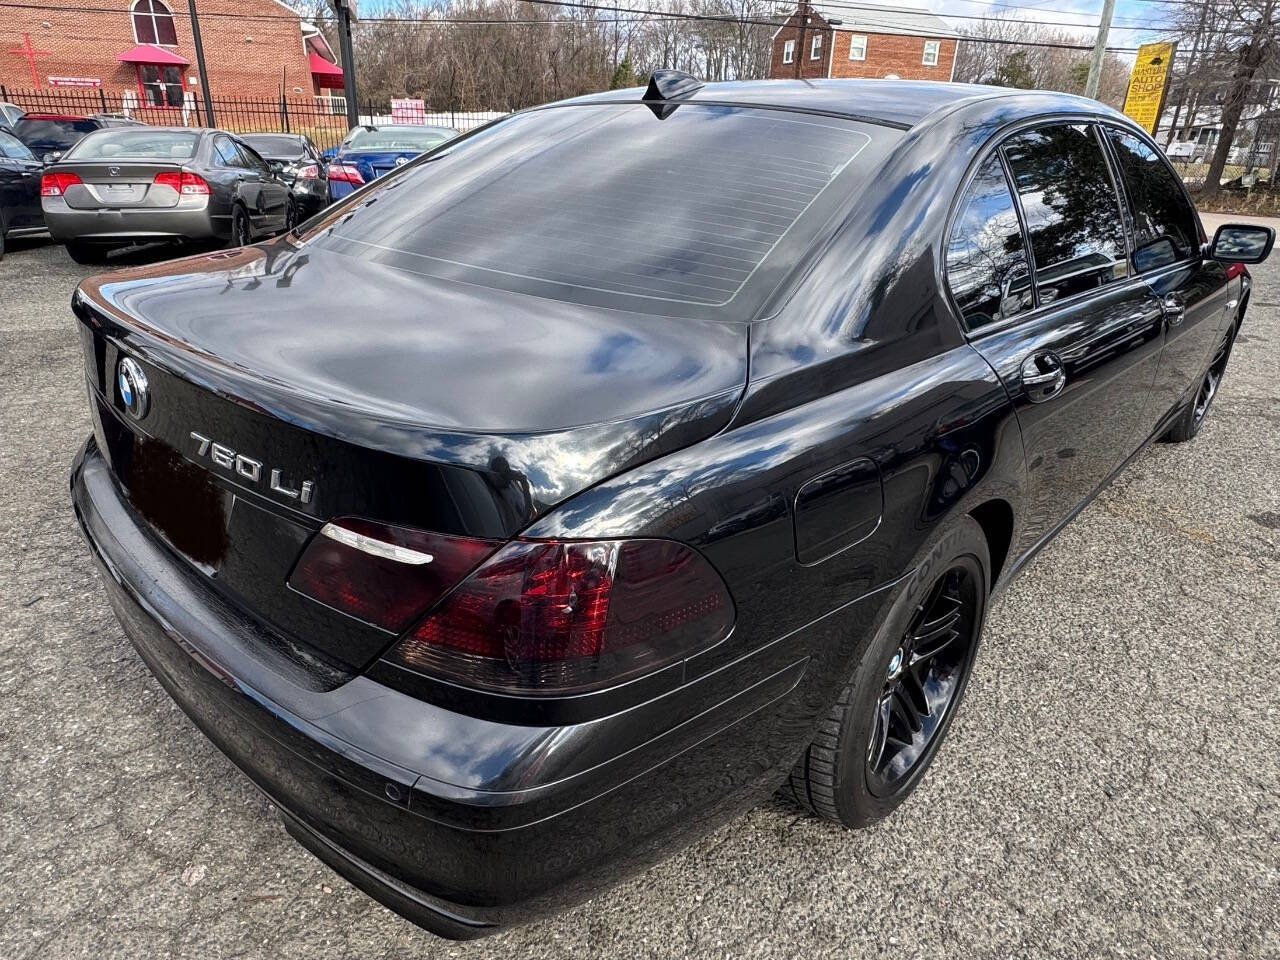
column 1193, row 289
column 1037, row 265
column 270, row 194
column 20, row 174
column 225, row 177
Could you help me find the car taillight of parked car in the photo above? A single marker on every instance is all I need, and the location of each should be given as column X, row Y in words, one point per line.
column 345, row 173
column 530, row 616
column 56, row 184
column 310, row 172
column 187, row 184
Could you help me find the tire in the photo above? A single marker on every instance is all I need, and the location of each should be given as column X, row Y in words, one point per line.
column 241, row 231
column 290, row 215
column 835, row 777
column 87, row 253
column 1, row 241
column 1194, row 414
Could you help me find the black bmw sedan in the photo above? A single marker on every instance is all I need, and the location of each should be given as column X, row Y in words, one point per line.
column 556, row 497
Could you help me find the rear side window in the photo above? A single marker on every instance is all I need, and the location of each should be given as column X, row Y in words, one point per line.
column 44, row 136
column 1071, row 209
column 672, row 209
column 987, row 268
column 228, row 153
column 1165, row 229
column 135, row 144
column 12, row 148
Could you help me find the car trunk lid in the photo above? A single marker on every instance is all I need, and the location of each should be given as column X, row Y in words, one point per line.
column 119, row 185
column 290, row 387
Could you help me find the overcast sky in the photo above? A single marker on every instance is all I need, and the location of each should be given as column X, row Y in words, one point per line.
column 1135, row 21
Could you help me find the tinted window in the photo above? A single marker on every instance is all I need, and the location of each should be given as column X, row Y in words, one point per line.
column 277, row 148
column 1164, row 224
column 390, row 139
column 987, row 267
column 251, row 160
column 13, row 148
column 668, row 209
column 1071, row 209
column 46, row 136
column 133, row 143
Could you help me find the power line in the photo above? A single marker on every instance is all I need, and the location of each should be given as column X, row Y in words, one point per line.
column 964, row 16
column 637, row 15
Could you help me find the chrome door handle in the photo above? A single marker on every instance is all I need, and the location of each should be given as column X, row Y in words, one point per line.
column 1043, row 376
column 1175, row 311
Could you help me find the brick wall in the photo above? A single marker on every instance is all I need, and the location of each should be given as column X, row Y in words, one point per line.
column 886, row 54
column 245, row 57
column 802, row 66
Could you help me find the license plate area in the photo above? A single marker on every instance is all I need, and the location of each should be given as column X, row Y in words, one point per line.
column 178, row 499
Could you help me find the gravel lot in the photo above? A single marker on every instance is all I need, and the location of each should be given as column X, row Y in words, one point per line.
column 1110, row 787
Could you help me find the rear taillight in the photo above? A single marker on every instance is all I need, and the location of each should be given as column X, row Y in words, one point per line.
column 187, row 184
column 309, row 172
column 56, row 184
column 345, row 173
column 563, row 617
column 383, row 574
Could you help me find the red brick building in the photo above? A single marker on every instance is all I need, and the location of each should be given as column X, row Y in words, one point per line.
column 866, row 41
column 143, row 49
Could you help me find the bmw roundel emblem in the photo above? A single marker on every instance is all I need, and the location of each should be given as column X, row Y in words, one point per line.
column 134, row 390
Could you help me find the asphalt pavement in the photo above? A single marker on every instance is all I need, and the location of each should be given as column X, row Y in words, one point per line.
column 1111, row 786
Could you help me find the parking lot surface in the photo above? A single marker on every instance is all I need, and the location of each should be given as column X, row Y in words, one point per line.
column 1111, row 786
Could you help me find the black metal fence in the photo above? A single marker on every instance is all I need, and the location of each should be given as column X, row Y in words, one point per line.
column 323, row 118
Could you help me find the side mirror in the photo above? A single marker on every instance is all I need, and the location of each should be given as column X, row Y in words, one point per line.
column 1242, row 243
column 53, row 157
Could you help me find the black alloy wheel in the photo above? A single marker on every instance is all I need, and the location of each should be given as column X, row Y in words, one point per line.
column 290, row 215
column 874, row 746
column 1209, row 385
column 923, row 677
column 1196, row 412
column 240, row 233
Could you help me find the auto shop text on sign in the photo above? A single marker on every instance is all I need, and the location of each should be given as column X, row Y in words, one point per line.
column 1147, row 84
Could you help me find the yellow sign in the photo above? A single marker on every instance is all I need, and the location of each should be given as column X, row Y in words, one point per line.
column 1147, row 84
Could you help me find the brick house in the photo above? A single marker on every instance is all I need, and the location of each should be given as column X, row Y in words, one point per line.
column 142, row 50
column 863, row 41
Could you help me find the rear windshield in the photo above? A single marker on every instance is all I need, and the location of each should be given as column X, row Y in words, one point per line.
column 277, row 148
column 616, row 205
column 136, row 144
column 48, row 135
column 396, row 138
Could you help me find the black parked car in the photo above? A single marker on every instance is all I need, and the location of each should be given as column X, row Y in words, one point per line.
column 302, row 168
column 50, row 135
column 120, row 187
column 561, row 494
column 19, row 190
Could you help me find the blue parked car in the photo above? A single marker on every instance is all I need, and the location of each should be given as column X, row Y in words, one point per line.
column 368, row 152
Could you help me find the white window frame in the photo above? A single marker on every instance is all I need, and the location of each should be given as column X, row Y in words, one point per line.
column 153, row 16
column 815, row 47
column 788, row 51
column 934, row 47
column 862, row 54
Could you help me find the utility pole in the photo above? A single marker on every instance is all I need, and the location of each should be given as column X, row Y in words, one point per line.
column 802, row 11
column 205, row 92
column 1099, row 51
column 346, row 11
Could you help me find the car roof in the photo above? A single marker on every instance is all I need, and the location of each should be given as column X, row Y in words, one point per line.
column 895, row 103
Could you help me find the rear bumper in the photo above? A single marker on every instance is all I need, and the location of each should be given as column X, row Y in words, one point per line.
column 127, row 226
column 495, row 823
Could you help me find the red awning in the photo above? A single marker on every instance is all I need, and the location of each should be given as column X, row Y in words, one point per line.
column 149, row 53
column 326, row 74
